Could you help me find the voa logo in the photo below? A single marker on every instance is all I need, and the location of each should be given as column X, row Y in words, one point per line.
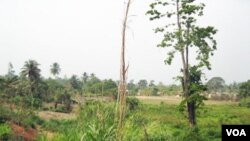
column 236, row 132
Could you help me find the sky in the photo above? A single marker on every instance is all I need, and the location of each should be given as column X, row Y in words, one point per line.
column 85, row 36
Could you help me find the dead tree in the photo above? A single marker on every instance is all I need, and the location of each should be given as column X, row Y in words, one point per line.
column 121, row 106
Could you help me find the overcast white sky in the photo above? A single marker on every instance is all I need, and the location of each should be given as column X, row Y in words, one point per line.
column 85, row 36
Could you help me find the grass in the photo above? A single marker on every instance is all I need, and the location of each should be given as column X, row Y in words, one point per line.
column 154, row 122
column 173, row 100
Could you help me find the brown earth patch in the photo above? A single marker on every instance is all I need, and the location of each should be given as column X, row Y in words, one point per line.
column 28, row 134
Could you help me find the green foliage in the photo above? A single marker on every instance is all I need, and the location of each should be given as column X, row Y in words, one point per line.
column 192, row 134
column 183, row 36
column 29, row 101
column 216, row 84
column 95, row 122
column 132, row 88
column 24, row 117
column 75, row 82
column 57, row 125
column 85, row 77
column 185, row 32
column 196, row 87
column 147, row 122
column 109, row 87
column 132, row 103
column 5, row 131
column 31, row 70
column 55, row 69
column 142, row 84
column 245, row 102
column 65, row 99
column 245, row 89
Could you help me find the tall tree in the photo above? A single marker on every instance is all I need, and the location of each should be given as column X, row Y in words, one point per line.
column 55, row 69
column 180, row 35
column 121, row 107
column 31, row 71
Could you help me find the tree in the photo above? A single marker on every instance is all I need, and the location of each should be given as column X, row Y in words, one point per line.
column 142, row 84
column 195, row 88
column 216, row 84
column 109, row 87
column 55, row 69
column 75, row 82
column 132, row 88
column 151, row 83
column 31, row 71
column 121, row 105
column 182, row 35
column 11, row 72
column 92, row 75
column 85, row 77
column 245, row 89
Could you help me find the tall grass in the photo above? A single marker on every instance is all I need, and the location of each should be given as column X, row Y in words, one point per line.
column 147, row 122
column 95, row 122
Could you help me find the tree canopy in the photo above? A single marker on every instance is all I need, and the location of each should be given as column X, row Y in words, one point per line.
column 216, row 84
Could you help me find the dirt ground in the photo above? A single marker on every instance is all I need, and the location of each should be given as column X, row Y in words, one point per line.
column 47, row 115
column 29, row 134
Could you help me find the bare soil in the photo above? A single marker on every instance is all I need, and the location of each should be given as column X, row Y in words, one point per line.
column 29, row 134
column 47, row 115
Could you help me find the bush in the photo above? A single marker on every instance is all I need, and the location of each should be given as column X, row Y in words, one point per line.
column 245, row 102
column 6, row 114
column 132, row 103
column 5, row 131
column 32, row 102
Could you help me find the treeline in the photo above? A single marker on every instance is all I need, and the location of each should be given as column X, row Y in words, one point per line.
column 30, row 88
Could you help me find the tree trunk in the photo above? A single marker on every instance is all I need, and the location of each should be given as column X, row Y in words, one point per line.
column 55, row 105
column 185, row 63
column 191, row 113
column 121, row 107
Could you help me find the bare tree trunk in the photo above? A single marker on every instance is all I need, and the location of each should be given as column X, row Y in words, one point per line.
column 121, row 110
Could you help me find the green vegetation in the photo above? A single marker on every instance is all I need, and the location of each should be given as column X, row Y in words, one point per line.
column 91, row 103
column 181, row 34
column 5, row 131
column 216, row 84
column 87, row 108
column 147, row 122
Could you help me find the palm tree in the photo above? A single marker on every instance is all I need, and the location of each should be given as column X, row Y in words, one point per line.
column 31, row 70
column 55, row 69
column 85, row 77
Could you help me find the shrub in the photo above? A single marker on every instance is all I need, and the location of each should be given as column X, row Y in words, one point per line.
column 98, row 122
column 132, row 103
column 5, row 131
column 245, row 102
